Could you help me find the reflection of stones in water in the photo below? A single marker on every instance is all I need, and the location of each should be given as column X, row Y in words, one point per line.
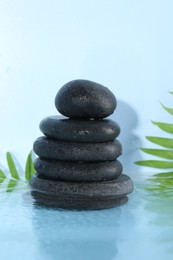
column 83, row 235
column 73, row 202
column 127, row 118
column 80, row 237
column 82, row 250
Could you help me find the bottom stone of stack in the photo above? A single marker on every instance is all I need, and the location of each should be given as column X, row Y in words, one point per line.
column 81, row 195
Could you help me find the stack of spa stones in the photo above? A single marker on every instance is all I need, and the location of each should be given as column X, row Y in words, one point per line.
column 77, row 167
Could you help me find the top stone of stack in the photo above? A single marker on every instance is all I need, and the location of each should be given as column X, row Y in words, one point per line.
column 85, row 99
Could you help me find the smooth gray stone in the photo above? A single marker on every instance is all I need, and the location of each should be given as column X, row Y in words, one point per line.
column 75, row 203
column 79, row 130
column 48, row 148
column 75, row 171
column 117, row 188
column 84, row 98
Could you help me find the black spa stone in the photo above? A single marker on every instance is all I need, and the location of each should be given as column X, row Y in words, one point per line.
column 79, row 130
column 48, row 148
column 84, row 98
column 78, row 171
column 84, row 193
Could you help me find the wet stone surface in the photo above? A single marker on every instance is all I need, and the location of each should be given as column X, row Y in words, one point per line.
column 91, row 195
column 80, row 130
column 86, row 99
column 77, row 167
column 78, row 171
column 73, row 151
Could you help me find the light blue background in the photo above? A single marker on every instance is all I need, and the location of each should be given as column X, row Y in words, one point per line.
column 125, row 45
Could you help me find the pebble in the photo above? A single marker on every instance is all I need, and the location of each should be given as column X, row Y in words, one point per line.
column 93, row 193
column 48, row 148
column 84, row 98
column 80, row 130
column 75, row 171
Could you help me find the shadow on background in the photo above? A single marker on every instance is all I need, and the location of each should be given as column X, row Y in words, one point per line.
column 127, row 118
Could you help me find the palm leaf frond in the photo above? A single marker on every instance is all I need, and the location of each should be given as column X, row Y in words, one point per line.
column 155, row 164
column 164, row 126
column 2, row 176
column 164, row 174
column 163, row 180
column 168, row 109
column 11, row 185
column 15, row 181
column 162, row 141
column 12, row 166
column 29, row 167
column 167, row 154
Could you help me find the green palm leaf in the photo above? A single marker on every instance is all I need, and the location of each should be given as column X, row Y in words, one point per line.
column 166, row 189
column 169, row 110
column 15, row 182
column 155, row 164
column 167, row 154
column 163, row 181
column 11, row 185
column 2, row 176
column 164, row 174
column 29, row 168
column 12, row 167
column 165, row 142
column 164, row 126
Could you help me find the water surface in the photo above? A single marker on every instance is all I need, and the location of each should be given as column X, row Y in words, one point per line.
column 141, row 229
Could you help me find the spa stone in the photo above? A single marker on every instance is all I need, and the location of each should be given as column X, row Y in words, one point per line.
column 78, row 171
column 79, row 130
column 48, row 148
column 117, row 188
column 84, row 98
